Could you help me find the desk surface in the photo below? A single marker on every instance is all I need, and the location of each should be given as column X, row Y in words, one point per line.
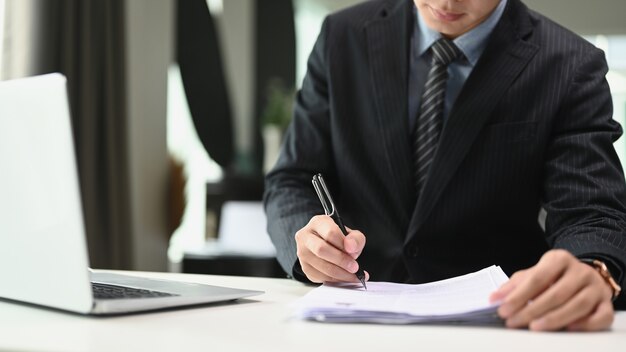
column 263, row 323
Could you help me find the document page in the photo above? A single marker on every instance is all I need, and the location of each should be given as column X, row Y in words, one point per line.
column 459, row 299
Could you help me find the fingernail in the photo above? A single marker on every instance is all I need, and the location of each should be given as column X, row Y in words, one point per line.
column 352, row 267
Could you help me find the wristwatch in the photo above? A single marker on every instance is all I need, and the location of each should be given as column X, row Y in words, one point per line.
column 602, row 269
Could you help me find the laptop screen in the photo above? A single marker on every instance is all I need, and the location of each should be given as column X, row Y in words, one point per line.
column 42, row 242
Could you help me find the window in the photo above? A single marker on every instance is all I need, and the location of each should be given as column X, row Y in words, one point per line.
column 184, row 146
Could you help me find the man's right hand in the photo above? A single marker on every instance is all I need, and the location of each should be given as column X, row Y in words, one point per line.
column 325, row 254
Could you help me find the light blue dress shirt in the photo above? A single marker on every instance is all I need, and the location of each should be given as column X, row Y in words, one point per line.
column 472, row 44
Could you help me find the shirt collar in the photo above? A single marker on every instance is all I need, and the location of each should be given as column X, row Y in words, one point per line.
column 471, row 43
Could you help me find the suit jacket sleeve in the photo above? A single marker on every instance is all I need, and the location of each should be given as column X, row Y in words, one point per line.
column 290, row 200
column 584, row 185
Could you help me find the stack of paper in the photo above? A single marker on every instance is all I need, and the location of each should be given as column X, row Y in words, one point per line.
column 462, row 299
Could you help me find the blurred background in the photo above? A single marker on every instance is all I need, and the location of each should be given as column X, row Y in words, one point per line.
column 179, row 106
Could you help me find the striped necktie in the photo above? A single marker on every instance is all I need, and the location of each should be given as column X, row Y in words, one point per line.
column 430, row 119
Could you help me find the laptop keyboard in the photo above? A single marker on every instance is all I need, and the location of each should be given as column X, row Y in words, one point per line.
column 104, row 291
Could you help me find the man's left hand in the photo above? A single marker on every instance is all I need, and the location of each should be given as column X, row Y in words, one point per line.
column 560, row 292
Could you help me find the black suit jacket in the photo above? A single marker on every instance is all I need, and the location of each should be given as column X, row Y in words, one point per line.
column 531, row 128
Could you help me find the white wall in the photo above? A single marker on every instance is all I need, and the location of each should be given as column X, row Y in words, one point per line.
column 309, row 15
column 149, row 26
column 584, row 16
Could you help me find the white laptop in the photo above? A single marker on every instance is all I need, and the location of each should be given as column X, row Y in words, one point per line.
column 43, row 253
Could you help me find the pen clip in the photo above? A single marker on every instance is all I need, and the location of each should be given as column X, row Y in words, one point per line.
column 324, row 195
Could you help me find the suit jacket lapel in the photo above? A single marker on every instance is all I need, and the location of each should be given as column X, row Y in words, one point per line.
column 388, row 48
column 504, row 58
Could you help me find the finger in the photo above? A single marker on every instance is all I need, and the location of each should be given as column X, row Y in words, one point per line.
column 502, row 292
column 336, row 273
column 315, row 275
column 324, row 227
column 322, row 249
column 354, row 242
column 555, row 296
column 581, row 305
column 537, row 280
column 507, row 287
column 601, row 319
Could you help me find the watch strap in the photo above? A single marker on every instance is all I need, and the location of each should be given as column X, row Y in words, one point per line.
column 603, row 270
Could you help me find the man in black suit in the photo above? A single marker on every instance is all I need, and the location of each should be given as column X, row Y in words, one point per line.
column 445, row 129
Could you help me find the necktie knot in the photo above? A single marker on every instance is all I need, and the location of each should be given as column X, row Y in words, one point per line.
column 445, row 51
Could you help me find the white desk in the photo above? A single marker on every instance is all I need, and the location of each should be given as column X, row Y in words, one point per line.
column 263, row 323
